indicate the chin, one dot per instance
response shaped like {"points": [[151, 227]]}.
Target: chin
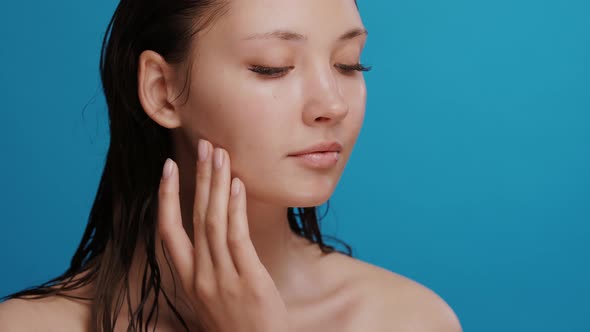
{"points": [[294, 190], [304, 197], [309, 200]]}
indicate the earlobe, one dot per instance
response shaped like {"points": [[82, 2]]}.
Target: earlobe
{"points": [[154, 85]]}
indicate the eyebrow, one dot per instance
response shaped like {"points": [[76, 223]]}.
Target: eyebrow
{"points": [[294, 36]]}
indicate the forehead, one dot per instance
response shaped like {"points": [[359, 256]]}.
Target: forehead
{"points": [[317, 20]]}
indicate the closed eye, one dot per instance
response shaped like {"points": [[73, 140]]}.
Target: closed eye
{"points": [[355, 67], [270, 71], [279, 71]]}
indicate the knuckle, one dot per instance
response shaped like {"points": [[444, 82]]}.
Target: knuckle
{"points": [[202, 174], [164, 226], [231, 290], [163, 229], [163, 194], [258, 294], [260, 285], [199, 214], [204, 289], [236, 240], [215, 181], [197, 218], [212, 227]]}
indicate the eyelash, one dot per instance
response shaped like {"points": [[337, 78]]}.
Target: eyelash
{"points": [[273, 71]]}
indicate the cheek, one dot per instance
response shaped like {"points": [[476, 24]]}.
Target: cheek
{"points": [[355, 93], [257, 133], [257, 123], [245, 119]]}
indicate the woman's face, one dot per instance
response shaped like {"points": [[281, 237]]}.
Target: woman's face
{"points": [[260, 119]]}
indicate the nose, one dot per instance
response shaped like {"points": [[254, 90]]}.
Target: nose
{"points": [[326, 105]]}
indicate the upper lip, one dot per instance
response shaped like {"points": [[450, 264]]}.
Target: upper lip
{"points": [[321, 147]]}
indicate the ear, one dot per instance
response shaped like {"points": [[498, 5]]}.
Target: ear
{"points": [[155, 89]]}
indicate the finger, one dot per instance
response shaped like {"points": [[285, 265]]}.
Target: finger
{"points": [[203, 261], [241, 248], [217, 217], [170, 227]]}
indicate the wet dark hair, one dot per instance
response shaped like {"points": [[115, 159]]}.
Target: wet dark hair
{"points": [[125, 207]]}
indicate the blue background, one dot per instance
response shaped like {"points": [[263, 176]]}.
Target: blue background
{"points": [[471, 174]]}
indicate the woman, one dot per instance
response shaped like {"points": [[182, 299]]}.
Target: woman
{"points": [[224, 114]]}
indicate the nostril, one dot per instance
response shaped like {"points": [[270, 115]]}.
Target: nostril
{"points": [[322, 118]]}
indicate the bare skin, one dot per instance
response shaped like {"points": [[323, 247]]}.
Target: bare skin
{"points": [[354, 296], [258, 121]]}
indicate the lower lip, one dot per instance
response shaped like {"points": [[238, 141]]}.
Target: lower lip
{"points": [[319, 159]]}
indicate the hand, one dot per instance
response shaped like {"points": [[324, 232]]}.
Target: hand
{"points": [[229, 288]]}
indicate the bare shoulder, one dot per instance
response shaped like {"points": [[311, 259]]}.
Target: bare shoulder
{"points": [[393, 302], [15, 315], [52, 313]]}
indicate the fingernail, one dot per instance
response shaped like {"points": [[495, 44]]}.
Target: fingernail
{"points": [[167, 168], [218, 158], [203, 150], [235, 187]]}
